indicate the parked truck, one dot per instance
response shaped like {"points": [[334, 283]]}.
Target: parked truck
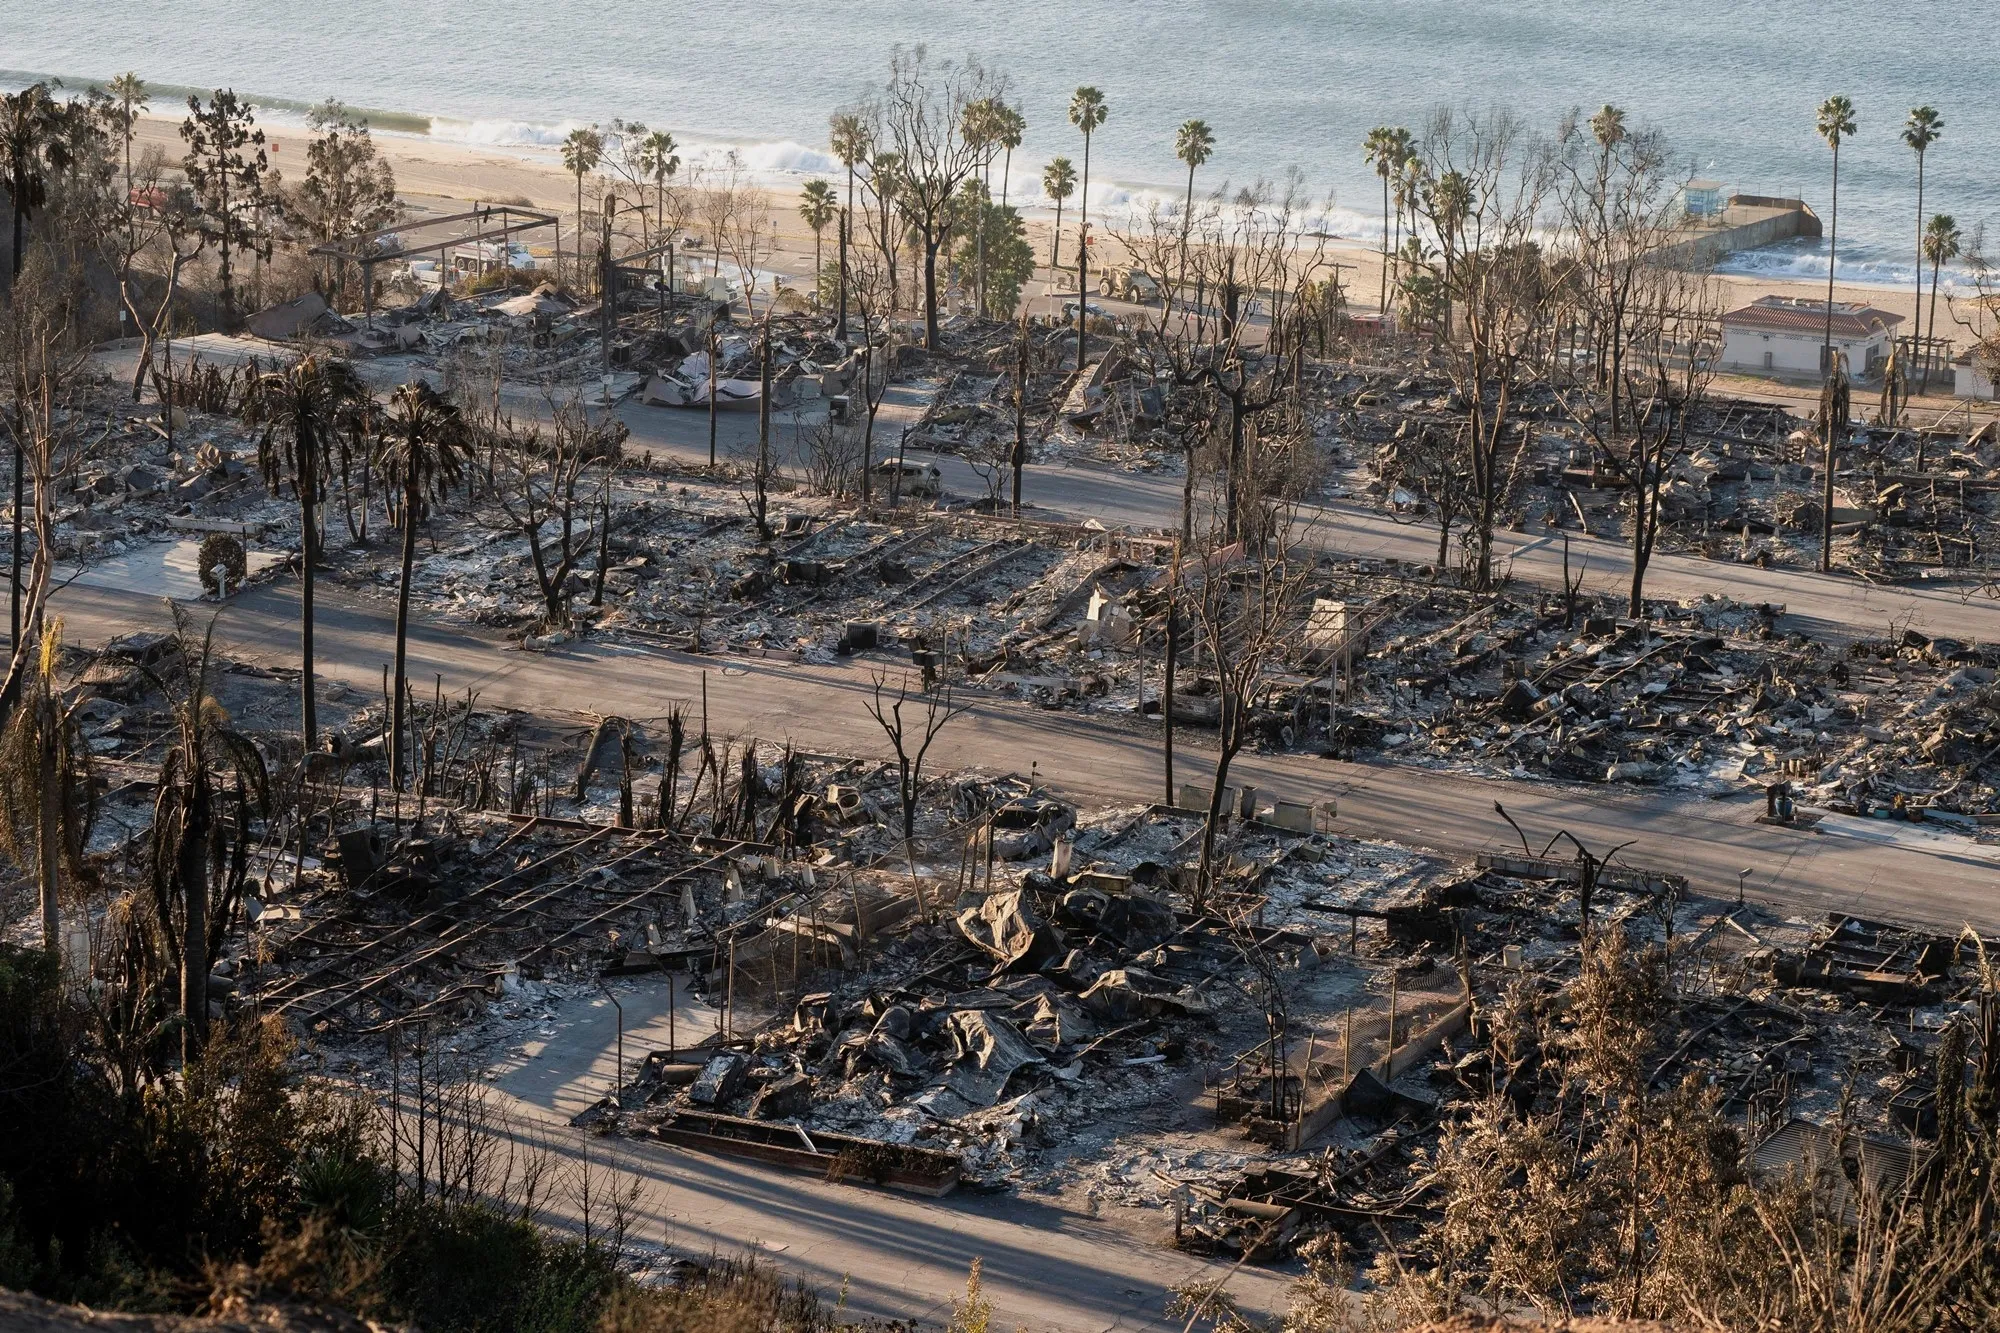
{"points": [[1129, 283]]}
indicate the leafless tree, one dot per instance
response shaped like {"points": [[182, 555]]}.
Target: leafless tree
{"points": [[910, 737], [1250, 251], [923, 113], [871, 300], [1244, 608], [1666, 362], [751, 238], [1429, 464], [1618, 197], [540, 490], [1481, 193], [167, 230], [43, 353]]}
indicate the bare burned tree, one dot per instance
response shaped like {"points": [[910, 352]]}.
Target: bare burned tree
{"points": [[750, 235], [910, 737], [871, 299], [1429, 465], [1666, 363], [923, 121], [1619, 201], [1481, 195], [1244, 610], [1250, 250], [44, 358], [540, 490], [167, 234]]}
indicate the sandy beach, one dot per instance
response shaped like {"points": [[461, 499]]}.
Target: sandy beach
{"points": [[440, 176]]}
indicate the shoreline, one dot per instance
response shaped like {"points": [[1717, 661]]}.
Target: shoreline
{"points": [[457, 174]]}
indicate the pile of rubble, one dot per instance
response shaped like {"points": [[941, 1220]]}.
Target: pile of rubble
{"points": [[1026, 1027]]}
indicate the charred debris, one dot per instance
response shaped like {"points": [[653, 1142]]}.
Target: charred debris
{"points": [[1383, 659]]}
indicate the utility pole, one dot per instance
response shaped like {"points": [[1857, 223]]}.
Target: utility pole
{"points": [[1173, 649], [607, 310], [764, 429], [840, 334], [714, 351], [1020, 413]]}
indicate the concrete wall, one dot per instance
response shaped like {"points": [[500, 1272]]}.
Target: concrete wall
{"points": [[1743, 227], [1973, 380]]}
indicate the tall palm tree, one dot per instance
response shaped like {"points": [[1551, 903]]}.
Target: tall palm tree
{"points": [[1834, 123], [849, 138], [1086, 111], [1384, 149], [581, 152], [303, 410], [1012, 126], [982, 125], [32, 141], [1403, 194], [659, 158], [129, 90], [817, 205], [1608, 126], [1194, 144], [1920, 131], [424, 453], [1941, 246], [1058, 183]]}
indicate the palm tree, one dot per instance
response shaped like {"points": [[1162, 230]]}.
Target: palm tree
{"points": [[47, 801], [1941, 246], [303, 409], [211, 782], [1449, 202], [1385, 149], [817, 205], [1058, 183], [659, 158], [1608, 126], [1194, 144], [581, 152], [130, 91], [1835, 122], [1012, 126], [1086, 111], [981, 126], [424, 452], [31, 138], [1403, 193], [848, 136], [1920, 131]]}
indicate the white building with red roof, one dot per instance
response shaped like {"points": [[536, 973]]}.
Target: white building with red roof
{"points": [[1785, 335]]}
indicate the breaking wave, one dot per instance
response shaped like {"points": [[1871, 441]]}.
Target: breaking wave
{"points": [[1806, 261], [503, 133]]}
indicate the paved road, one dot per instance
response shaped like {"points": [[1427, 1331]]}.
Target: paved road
{"points": [[1861, 866], [1048, 1268], [1836, 606]]}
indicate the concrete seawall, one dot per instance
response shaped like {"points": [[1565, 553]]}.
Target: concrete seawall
{"points": [[1749, 222]]}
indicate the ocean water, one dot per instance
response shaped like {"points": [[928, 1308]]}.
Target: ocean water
{"points": [[1283, 84]]}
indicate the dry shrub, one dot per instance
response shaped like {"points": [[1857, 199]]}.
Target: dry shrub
{"points": [[724, 1296]]}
